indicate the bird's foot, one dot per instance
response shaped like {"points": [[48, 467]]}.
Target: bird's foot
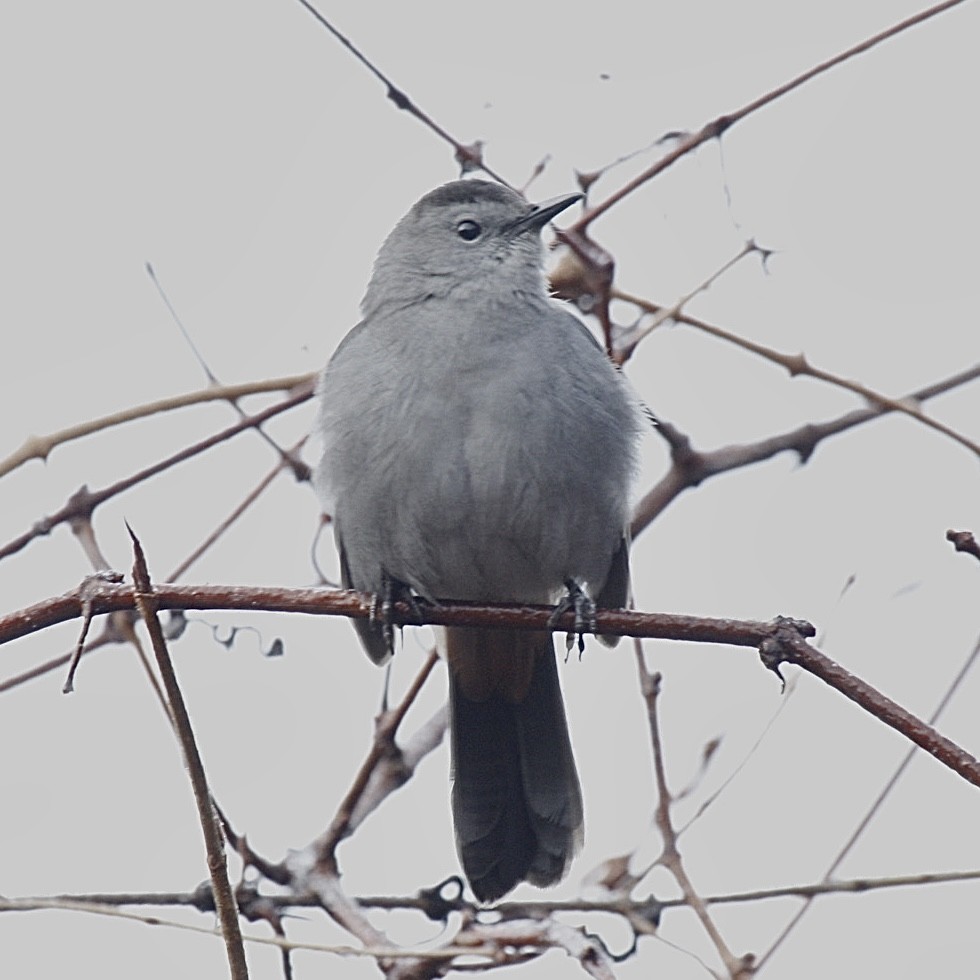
{"points": [[577, 599], [382, 609]]}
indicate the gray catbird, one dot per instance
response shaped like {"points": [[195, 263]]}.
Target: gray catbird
{"points": [[479, 444]]}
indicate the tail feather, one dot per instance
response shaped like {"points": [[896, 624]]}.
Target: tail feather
{"points": [[517, 805]]}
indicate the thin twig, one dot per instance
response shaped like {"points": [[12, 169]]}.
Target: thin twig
{"points": [[873, 809], [383, 744], [377, 952], [716, 127], [790, 647], [85, 501], [664, 313], [670, 857], [286, 457], [470, 157], [618, 904], [795, 364], [692, 467], [236, 512]]}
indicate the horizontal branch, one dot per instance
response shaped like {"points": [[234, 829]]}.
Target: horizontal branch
{"points": [[201, 898], [782, 640], [105, 597]]}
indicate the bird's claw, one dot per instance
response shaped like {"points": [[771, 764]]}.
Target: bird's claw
{"points": [[577, 599], [382, 608]]}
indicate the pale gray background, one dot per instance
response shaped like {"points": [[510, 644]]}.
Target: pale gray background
{"points": [[245, 154]]}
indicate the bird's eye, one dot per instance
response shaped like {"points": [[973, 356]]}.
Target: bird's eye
{"points": [[468, 230]]}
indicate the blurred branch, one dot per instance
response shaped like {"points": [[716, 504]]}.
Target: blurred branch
{"points": [[617, 904], [39, 447], [383, 748], [68, 904], [249, 499]]}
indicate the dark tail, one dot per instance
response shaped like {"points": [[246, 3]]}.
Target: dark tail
{"points": [[517, 805]]}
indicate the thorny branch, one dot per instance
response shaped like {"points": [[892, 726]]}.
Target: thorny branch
{"points": [[782, 640], [85, 501], [40, 447], [691, 467], [717, 127], [224, 896]]}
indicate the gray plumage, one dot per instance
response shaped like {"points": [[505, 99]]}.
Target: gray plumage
{"points": [[478, 444]]}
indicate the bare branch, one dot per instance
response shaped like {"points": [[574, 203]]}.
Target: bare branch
{"points": [[716, 127], [224, 896], [382, 747], [795, 364], [670, 857], [779, 641], [85, 501], [39, 447], [873, 809], [469, 157], [692, 467]]}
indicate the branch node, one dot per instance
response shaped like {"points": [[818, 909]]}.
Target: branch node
{"points": [[399, 98], [776, 649], [964, 541], [796, 364]]}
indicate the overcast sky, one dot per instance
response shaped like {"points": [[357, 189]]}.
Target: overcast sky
{"points": [[258, 166]]}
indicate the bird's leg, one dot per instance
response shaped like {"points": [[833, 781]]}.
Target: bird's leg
{"points": [[576, 598], [394, 590]]}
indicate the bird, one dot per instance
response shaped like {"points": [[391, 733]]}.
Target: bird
{"points": [[478, 444]]}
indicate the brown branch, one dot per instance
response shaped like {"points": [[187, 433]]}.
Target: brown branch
{"points": [[670, 857], [791, 647], [692, 467], [795, 364], [382, 747], [110, 597], [872, 809], [224, 896], [39, 447], [392, 775], [85, 501], [779, 640], [716, 127], [469, 157]]}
